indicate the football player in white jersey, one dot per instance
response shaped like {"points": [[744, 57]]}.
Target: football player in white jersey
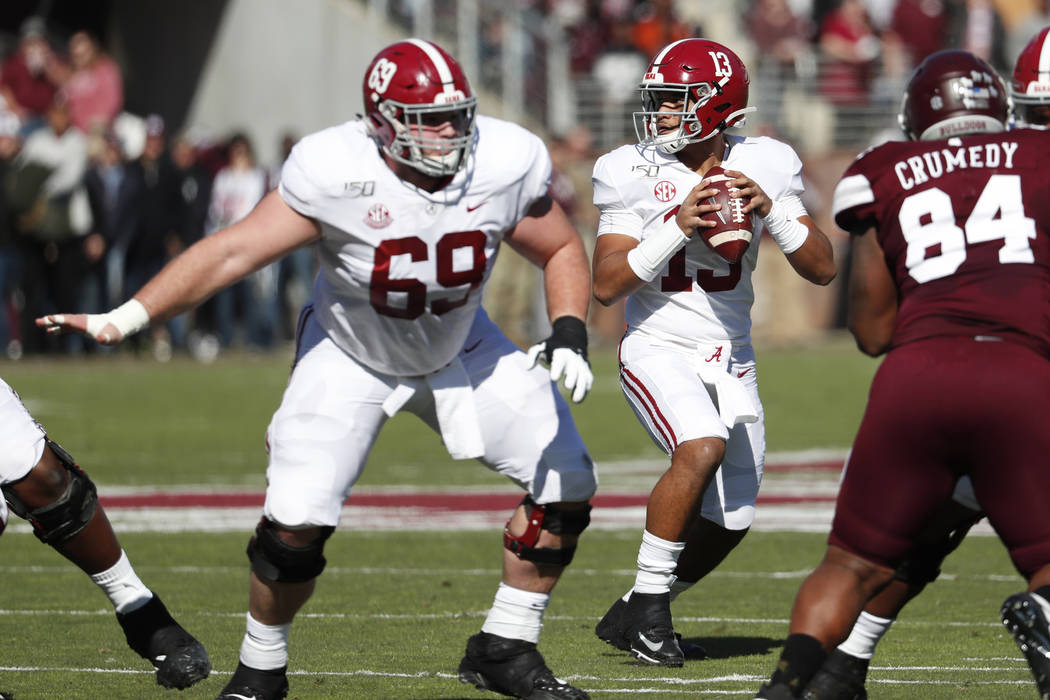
{"points": [[686, 363], [43, 484], [407, 206]]}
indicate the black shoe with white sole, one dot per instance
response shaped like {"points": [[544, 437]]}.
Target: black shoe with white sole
{"points": [[249, 683], [612, 629]]}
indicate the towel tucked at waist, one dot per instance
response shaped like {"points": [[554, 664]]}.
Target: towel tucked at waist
{"points": [[454, 404], [734, 401]]}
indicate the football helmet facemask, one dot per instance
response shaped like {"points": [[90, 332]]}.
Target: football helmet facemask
{"points": [[413, 84], [953, 93], [707, 80], [1030, 88]]}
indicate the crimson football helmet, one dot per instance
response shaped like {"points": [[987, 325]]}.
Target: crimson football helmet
{"points": [[1031, 84], [953, 93], [412, 84], [709, 81]]}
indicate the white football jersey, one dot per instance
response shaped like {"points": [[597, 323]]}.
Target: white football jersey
{"points": [[698, 296], [402, 269]]}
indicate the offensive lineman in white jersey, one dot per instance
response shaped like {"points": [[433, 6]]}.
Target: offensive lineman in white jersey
{"points": [[686, 363], [407, 206]]}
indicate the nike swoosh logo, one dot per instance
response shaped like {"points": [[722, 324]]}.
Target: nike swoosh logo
{"points": [[472, 208], [472, 347], [646, 642], [741, 374]]}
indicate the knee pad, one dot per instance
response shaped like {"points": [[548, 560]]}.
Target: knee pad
{"points": [[274, 559], [70, 513], [923, 564], [553, 519]]}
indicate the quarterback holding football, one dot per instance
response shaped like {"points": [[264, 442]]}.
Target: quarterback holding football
{"points": [[673, 243]]}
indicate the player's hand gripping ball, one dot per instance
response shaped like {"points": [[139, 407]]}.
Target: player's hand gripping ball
{"points": [[733, 229]]}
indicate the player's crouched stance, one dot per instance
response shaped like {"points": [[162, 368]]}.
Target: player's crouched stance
{"points": [[43, 484], [407, 207]]}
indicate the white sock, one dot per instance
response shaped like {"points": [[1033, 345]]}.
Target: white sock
{"points": [[516, 614], [657, 559], [867, 632], [122, 586], [265, 646], [679, 586]]}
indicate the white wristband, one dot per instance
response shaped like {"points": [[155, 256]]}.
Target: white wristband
{"points": [[649, 257], [788, 232], [128, 318]]}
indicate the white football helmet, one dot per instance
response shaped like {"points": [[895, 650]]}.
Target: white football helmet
{"points": [[1030, 88]]}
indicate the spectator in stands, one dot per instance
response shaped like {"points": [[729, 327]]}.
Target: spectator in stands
{"points": [[53, 215], [194, 186], [781, 35], [114, 191], [10, 260], [238, 187], [977, 27], [193, 182], [148, 248], [849, 50], [26, 85], [784, 40], [657, 26], [617, 70], [587, 37], [93, 83], [917, 29]]}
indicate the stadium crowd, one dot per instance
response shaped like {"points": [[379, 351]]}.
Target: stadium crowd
{"points": [[95, 200]]}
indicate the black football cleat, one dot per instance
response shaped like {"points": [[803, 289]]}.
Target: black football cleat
{"points": [[774, 692], [645, 621], [840, 678], [249, 683], [153, 634], [512, 667], [1024, 615], [612, 629]]}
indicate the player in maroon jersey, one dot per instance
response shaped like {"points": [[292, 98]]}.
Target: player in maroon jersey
{"points": [[951, 279], [843, 675]]}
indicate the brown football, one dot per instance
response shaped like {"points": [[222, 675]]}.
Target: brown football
{"points": [[733, 229]]}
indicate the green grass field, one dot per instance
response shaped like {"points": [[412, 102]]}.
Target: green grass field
{"points": [[393, 610]]}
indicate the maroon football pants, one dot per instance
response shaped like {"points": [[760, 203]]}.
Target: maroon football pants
{"points": [[938, 409]]}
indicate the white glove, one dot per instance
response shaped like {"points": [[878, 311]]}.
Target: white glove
{"points": [[566, 353]]}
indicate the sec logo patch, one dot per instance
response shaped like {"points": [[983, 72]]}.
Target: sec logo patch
{"points": [[378, 216], [664, 191]]}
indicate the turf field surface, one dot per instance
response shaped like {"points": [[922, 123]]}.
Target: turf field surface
{"points": [[405, 588]]}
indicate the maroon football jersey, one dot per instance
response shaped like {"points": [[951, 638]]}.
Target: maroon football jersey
{"points": [[965, 227]]}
